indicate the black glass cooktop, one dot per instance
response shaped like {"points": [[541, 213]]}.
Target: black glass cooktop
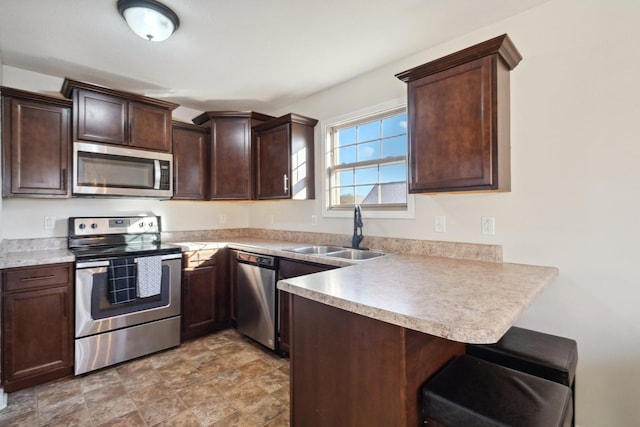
{"points": [[130, 250]]}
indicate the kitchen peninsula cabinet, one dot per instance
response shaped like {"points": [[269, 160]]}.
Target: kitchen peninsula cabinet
{"points": [[289, 268], [190, 161], [37, 324], [205, 292], [110, 116], [458, 109], [36, 140], [231, 152], [285, 158]]}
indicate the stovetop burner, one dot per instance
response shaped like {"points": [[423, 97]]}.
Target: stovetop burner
{"points": [[113, 237]]}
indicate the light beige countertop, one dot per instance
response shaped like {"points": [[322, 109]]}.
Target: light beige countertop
{"points": [[461, 300], [39, 257]]}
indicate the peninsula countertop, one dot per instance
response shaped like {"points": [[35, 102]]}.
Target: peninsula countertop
{"points": [[460, 300]]}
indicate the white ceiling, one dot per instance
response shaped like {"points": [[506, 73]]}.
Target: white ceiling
{"points": [[235, 54]]}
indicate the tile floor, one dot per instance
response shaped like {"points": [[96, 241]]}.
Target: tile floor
{"points": [[222, 379]]}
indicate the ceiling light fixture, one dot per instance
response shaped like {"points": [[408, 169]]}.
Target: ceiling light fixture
{"points": [[149, 19]]}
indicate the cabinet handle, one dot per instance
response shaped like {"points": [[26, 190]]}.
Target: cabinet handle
{"points": [[64, 305], [33, 279], [286, 183]]}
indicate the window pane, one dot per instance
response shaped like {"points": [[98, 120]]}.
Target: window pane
{"points": [[346, 136], [346, 154], [396, 146], [346, 196], [359, 173], [344, 178], [368, 193], [367, 175], [393, 173], [369, 151], [393, 193], [395, 125], [369, 131]]}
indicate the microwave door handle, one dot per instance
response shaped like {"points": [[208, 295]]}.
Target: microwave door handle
{"points": [[156, 174]]}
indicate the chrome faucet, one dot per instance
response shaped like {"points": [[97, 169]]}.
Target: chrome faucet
{"points": [[357, 228]]}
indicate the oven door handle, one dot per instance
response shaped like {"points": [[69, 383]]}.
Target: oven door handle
{"points": [[105, 263]]}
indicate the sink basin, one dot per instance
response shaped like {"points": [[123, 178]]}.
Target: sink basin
{"points": [[316, 250], [355, 254]]}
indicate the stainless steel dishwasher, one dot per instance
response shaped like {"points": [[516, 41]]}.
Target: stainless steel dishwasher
{"points": [[257, 297]]}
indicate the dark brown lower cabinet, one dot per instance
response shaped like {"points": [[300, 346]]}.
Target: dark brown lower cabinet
{"points": [[37, 325], [287, 269], [352, 370], [205, 293]]}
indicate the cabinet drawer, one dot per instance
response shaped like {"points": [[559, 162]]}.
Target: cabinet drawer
{"points": [[199, 258], [24, 278]]}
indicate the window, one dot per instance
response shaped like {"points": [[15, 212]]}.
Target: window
{"points": [[367, 162]]}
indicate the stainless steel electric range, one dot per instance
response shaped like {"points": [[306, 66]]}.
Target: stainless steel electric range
{"points": [[127, 299]]}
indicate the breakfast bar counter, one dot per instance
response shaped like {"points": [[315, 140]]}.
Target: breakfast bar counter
{"points": [[366, 337], [461, 300]]}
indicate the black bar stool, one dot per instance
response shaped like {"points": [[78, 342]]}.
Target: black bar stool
{"points": [[546, 356], [474, 392]]}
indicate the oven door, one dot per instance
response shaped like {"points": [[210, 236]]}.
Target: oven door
{"points": [[96, 314]]}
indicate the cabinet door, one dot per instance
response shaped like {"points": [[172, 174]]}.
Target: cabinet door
{"points": [[453, 129], [37, 336], [198, 301], [274, 163], [230, 159], [288, 269], [149, 127], [190, 157], [100, 117], [36, 148]]}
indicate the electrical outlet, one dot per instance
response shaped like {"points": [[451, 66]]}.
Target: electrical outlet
{"points": [[440, 223], [488, 225], [49, 222], [314, 220], [271, 219], [223, 218]]}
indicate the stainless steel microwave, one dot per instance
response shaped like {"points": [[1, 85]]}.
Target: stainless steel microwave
{"points": [[109, 170]]}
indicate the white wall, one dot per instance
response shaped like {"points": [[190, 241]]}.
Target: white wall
{"points": [[575, 183], [575, 199]]}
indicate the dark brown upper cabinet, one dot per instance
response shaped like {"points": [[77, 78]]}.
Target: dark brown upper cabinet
{"points": [[285, 158], [458, 112], [190, 161], [110, 116], [231, 152], [36, 140]]}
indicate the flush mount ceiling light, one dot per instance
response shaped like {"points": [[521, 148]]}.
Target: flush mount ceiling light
{"points": [[149, 19]]}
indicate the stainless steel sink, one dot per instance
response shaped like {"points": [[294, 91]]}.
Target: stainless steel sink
{"points": [[337, 252], [316, 250], [356, 254]]}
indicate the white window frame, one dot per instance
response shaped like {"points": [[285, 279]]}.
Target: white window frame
{"points": [[326, 126]]}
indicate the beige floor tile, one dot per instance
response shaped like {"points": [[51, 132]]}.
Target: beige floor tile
{"points": [[131, 419], [110, 409], [60, 409], [265, 410], [183, 419], [79, 418], [160, 410]]}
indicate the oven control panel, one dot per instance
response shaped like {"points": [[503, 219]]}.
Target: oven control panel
{"points": [[114, 225]]}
